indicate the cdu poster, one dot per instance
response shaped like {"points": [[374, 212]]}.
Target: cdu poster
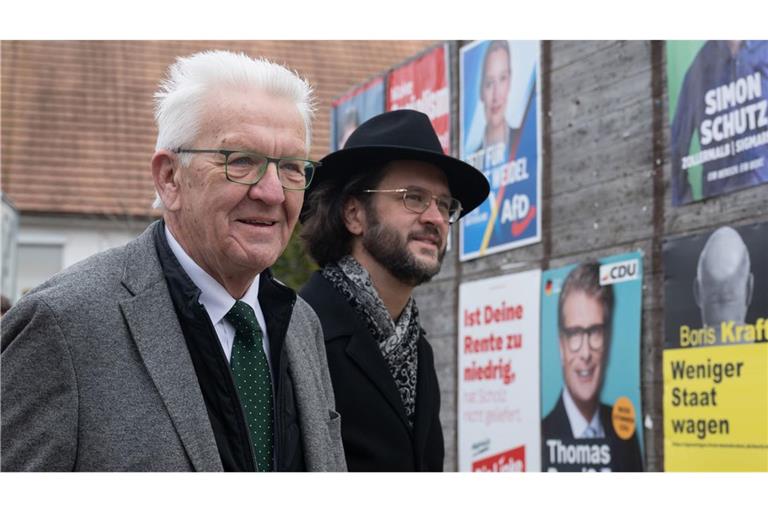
{"points": [[422, 84], [354, 108], [498, 357], [590, 366], [500, 135], [718, 107], [716, 350]]}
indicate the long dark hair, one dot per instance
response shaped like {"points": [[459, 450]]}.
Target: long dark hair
{"points": [[323, 231]]}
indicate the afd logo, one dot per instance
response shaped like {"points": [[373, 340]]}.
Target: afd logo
{"points": [[619, 272]]}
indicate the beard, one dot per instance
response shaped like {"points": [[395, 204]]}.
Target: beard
{"points": [[390, 249]]}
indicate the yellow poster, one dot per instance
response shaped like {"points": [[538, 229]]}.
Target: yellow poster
{"points": [[716, 351], [716, 408]]}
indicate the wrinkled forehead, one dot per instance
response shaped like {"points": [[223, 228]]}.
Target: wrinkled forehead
{"points": [[414, 173], [235, 115]]}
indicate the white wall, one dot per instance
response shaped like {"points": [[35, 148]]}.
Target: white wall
{"points": [[49, 244]]}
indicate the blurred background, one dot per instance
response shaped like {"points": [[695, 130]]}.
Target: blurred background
{"points": [[78, 134]]}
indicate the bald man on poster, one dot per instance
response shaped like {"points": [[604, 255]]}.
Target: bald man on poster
{"points": [[724, 283]]}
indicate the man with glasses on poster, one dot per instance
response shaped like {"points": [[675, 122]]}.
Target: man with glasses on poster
{"points": [[578, 434]]}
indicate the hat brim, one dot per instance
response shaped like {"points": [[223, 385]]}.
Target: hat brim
{"points": [[466, 183]]}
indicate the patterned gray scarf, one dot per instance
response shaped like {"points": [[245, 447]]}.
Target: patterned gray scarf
{"points": [[397, 341]]}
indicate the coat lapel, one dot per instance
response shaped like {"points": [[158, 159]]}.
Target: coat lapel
{"points": [[339, 319], [364, 351], [425, 406], [152, 321]]}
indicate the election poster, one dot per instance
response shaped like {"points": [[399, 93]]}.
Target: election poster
{"points": [[718, 108], [716, 350], [590, 366], [355, 107], [500, 134], [498, 358], [422, 84]]}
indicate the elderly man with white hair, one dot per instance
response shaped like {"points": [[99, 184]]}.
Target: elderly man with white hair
{"points": [[179, 351]]}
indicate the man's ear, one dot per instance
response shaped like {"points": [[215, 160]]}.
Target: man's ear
{"points": [[354, 216], [165, 175]]}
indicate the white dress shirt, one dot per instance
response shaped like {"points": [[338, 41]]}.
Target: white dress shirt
{"points": [[217, 301], [579, 425]]}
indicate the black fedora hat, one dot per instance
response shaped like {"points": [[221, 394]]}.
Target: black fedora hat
{"points": [[402, 135]]}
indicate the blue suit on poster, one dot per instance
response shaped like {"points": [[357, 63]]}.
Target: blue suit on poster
{"points": [[721, 120]]}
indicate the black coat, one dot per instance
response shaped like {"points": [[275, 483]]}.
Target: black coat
{"points": [[374, 427]]}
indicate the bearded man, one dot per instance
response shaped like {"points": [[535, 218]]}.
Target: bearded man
{"points": [[377, 222]]}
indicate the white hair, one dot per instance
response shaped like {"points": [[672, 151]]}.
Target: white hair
{"points": [[180, 100]]}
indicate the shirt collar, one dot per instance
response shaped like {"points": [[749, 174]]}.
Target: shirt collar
{"points": [[577, 421], [213, 296]]}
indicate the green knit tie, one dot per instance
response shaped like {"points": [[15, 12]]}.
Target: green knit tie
{"points": [[253, 381]]}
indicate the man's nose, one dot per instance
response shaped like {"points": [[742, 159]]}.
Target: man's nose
{"points": [[432, 214], [585, 352], [268, 189]]}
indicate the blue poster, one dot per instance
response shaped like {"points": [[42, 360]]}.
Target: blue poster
{"points": [[718, 108], [354, 108], [590, 366], [500, 135]]}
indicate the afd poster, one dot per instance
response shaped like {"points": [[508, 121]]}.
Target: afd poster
{"points": [[716, 350], [422, 84], [354, 108], [498, 410], [590, 366], [718, 107], [500, 134]]}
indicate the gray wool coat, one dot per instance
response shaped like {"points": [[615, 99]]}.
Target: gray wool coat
{"points": [[96, 376]]}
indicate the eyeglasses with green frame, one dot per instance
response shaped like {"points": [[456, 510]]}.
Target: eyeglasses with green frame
{"points": [[417, 200], [247, 168]]}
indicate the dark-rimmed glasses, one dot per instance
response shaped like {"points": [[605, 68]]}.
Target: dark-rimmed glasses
{"points": [[575, 336], [417, 200], [247, 168]]}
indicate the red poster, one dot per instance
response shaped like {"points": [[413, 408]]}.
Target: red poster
{"points": [[509, 461], [422, 84]]}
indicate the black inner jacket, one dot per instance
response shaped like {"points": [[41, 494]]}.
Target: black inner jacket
{"points": [[225, 412]]}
